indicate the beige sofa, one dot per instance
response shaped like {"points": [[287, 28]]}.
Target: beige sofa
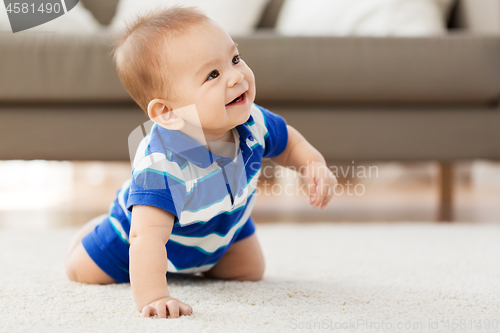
{"points": [[376, 99]]}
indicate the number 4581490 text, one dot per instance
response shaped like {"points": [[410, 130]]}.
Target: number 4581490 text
{"points": [[20, 7]]}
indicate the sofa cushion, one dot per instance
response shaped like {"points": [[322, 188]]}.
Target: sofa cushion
{"points": [[273, 9], [479, 16], [55, 67], [361, 18], [459, 68], [236, 17]]}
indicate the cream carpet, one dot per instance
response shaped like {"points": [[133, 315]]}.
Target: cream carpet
{"points": [[396, 277]]}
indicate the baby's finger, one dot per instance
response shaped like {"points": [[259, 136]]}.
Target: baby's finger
{"points": [[322, 192], [185, 310], [327, 197], [330, 184], [322, 189], [311, 188], [161, 309], [173, 309], [147, 310]]}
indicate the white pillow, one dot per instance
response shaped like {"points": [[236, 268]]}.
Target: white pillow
{"points": [[363, 17], [77, 20], [236, 16]]}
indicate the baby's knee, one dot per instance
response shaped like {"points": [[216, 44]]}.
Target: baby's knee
{"points": [[255, 272], [257, 276], [81, 268], [71, 270], [259, 272]]}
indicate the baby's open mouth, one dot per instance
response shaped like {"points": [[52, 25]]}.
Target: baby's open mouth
{"points": [[237, 99]]}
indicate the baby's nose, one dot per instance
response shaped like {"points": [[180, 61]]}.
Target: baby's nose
{"points": [[236, 78]]}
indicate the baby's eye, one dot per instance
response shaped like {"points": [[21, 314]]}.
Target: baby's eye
{"points": [[236, 59], [213, 75]]}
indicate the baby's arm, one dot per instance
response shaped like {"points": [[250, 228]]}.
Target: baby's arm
{"points": [[149, 232], [303, 157]]}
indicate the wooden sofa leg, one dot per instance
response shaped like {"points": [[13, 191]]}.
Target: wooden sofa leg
{"points": [[446, 189]]}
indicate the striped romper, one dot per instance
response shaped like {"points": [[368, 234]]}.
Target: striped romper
{"points": [[210, 196]]}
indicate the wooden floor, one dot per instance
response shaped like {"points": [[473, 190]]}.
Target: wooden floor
{"points": [[48, 194]]}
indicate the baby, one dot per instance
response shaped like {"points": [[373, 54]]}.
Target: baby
{"points": [[186, 209]]}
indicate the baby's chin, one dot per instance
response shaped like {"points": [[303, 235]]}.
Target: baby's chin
{"points": [[247, 112]]}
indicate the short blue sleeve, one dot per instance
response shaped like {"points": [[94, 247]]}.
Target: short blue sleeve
{"points": [[276, 138], [157, 189]]}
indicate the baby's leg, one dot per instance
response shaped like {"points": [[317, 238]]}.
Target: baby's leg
{"points": [[79, 266], [243, 261]]}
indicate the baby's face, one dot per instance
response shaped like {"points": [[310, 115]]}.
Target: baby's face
{"points": [[206, 70]]}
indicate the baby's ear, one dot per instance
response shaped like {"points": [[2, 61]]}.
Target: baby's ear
{"points": [[160, 113]]}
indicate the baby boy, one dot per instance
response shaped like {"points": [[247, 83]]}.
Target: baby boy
{"points": [[186, 209]]}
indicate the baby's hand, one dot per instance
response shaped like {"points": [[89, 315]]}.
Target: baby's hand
{"points": [[320, 183], [167, 306]]}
